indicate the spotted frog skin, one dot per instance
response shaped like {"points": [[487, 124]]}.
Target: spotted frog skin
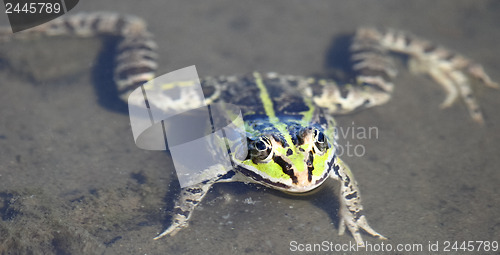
{"points": [[288, 119]]}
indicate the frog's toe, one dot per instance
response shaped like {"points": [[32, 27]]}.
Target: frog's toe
{"points": [[354, 227], [172, 229]]}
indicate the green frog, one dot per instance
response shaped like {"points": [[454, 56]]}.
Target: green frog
{"points": [[289, 124]]}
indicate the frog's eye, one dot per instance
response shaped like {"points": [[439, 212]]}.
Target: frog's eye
{"points": [[320, 142], [260, 150], [260, 145]]}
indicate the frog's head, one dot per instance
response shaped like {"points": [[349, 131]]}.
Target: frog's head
{"points": [[293, 157]]}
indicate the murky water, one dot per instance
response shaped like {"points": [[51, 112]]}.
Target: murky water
{"points": [[73, 182]]}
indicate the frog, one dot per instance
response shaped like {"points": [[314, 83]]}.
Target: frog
{"points": [[289, 119]]}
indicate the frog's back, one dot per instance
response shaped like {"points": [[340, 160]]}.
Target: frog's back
{"points": [[263, 96]]}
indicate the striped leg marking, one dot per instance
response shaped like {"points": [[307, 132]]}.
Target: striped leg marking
{"points": [[189, 198], [448, 69], [351, 210], [373, 72], [136, 57]]}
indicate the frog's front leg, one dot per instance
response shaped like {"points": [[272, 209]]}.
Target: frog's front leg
{"points": [[351, 210], [189, 198]]}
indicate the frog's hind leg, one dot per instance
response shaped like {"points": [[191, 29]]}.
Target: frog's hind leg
{"points": [[448, 69], [373, 71], [135, 58]]}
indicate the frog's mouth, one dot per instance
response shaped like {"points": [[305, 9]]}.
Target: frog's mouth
{"points": [[305, 193], [284, 185]]}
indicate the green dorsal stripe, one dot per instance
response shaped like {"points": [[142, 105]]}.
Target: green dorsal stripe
{"points": [[264, 97], [296, 160]]}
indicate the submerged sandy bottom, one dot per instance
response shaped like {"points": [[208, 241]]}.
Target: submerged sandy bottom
{"points": [[72, 181]]}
